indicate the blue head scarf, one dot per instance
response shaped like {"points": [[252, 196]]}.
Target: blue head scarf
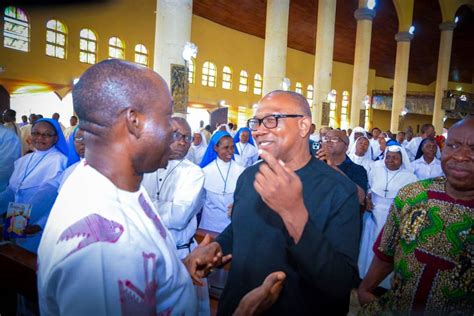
{"points": [[210, 155], [392, 142], [61, 144], [237, 136], [72, 155]]}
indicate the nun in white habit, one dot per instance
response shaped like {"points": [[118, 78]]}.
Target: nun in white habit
{"points": [[33, 170], [220, 178], [247, 152], [386, 178], [354, 136], [198, 148], [360, 153]]}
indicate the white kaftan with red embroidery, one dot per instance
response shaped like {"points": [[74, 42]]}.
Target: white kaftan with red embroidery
{"points": [[105, 251]]}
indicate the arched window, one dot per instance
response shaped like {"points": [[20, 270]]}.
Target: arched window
{"points": [[116, 48], [244, 81], [191, 71], [332, 98], [299, 88], [209, 74], [56, 37], [141, 55], [226, 78], [345, 110], [16, 29], [88, 46], [310, 94], [257, 84]]}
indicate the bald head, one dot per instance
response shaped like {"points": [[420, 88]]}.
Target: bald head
{"points": [[108, 88], [299, 100]]}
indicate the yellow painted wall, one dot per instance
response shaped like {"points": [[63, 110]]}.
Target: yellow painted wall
{"points": [[132, 21], [216, 43]]}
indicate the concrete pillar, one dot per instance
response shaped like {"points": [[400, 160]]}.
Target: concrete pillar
{"points": [[401, 78], [323, 58], [172, 31], [442, 76], [276, 36], [360, 77]]}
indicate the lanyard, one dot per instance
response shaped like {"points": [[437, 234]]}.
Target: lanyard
{"points": [[222, 176], [27, 173]]}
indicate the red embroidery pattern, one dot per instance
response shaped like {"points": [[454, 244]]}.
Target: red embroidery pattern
{"points": [[152, 215], [134, 301], [94, 228]]}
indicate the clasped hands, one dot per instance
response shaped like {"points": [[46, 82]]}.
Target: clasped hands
{"points": [[204, 258]]}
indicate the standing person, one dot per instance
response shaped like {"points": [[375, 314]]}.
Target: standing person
{"points": [[426, 165], [55, 117], [73, 124], [360, 153], [115, 237], [427, 131], [386, 178], [25, 132], [176, 190], [291, 212], [11, 151], [427, 240], [247, 153], [9, 117], [116, 205], [24, 121], [334, 151], [32, 171], [401, 139], [220, 178], [176, 193], [375, 144], [198, 148], [207, 133]]}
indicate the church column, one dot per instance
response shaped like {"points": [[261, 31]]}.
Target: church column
{"points": [[401, 78], [360, 77], [442, 76], [323, 56], [172, 31], [276, 36]]}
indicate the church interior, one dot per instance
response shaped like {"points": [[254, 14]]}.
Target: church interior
{"points": [[391, 64]]}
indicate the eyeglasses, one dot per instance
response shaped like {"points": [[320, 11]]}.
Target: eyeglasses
{"points": [[333, 140], [177, 136], [79, 140], [42, 135], [269, 121]]}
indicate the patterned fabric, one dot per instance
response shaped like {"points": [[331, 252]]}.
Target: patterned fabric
{"points": [[430, 238]]}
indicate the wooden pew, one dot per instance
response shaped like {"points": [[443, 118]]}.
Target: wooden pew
{"points": [[17, 276]]}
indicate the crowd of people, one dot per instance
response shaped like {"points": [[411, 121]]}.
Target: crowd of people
{"points": [[305, 216]]}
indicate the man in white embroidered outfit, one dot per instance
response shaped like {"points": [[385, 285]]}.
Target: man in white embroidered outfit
{"points": [[109, 253], [176, 193]]}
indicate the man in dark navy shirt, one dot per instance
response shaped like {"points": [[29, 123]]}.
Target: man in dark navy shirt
{"points": [[333, 151], [291, 213]]}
